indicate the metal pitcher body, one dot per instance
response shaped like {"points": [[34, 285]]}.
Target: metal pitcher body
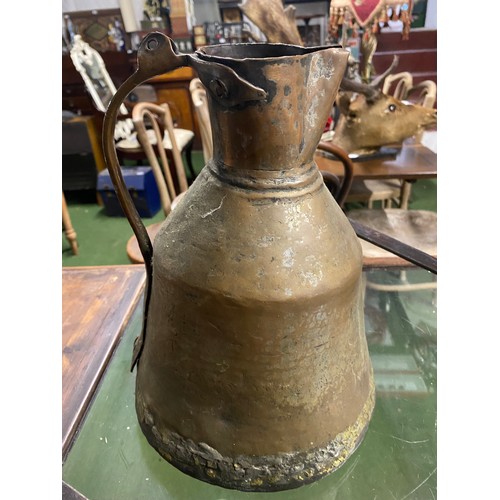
{"points": [[252, 370]]}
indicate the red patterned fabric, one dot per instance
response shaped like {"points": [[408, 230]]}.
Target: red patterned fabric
{"points": [[364, 10]]}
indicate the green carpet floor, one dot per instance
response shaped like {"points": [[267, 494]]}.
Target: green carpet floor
{"points": [[102, 239]]}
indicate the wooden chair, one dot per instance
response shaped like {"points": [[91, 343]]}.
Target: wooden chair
{"points": [[398, 85], [152, 124], [369, 191], [100, 86], [130, 148], [423, 93], [199, 98], [92, 68], [69, 232], [417, 228], [194, 84]]}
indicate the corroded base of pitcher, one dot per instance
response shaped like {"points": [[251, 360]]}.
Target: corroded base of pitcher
{"points": [[269, 473]]}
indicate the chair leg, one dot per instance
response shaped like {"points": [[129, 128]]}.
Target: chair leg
{"points": [[69, 232], [405, 194], [189, 160]]}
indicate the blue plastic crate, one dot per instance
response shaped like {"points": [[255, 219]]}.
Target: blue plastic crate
{"points": [[141, 185]]}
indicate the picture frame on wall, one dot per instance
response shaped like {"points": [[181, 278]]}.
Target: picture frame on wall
{"points": [[103, 29]]}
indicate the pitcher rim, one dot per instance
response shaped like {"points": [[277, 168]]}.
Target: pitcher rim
{"points": [[300, 51]]}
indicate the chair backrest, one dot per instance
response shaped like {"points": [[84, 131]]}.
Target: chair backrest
{"points": [[398, 85], [199, 98], [194, 84], [151, 121], [423, 93]]}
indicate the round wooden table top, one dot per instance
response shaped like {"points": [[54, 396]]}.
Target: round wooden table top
{"points": [[133, 251]]}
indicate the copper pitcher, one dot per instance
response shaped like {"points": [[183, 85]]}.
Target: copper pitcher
{"points": [[252, 366]]}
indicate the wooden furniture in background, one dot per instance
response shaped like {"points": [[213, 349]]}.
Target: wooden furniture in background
{"points": [[414, 161], [150, 120], [398, 84], [82, 156], [417, 228], [130, 147], [82, 151], [424, 94], [75, 96], [199, 98], [96, 305], [171, 88], [82, 135], [69, 232], [370, 191], [89, 63]]}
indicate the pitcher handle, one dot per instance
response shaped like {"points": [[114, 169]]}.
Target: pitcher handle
{"points": [[156, 55]]}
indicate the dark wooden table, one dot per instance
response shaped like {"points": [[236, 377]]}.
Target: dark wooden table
{"points": [[96, 305], [413, 162]]}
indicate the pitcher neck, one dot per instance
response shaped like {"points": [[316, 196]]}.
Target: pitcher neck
{"points": [[276, 136], [292, 180]]}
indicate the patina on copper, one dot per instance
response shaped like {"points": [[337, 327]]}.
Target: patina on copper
{"points": [[252, 368]]}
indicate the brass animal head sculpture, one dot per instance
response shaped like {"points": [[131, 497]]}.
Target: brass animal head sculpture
{"points": [[370, 119]]}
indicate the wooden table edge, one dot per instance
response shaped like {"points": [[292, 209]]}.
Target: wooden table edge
{"points": [[69, 437]]}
